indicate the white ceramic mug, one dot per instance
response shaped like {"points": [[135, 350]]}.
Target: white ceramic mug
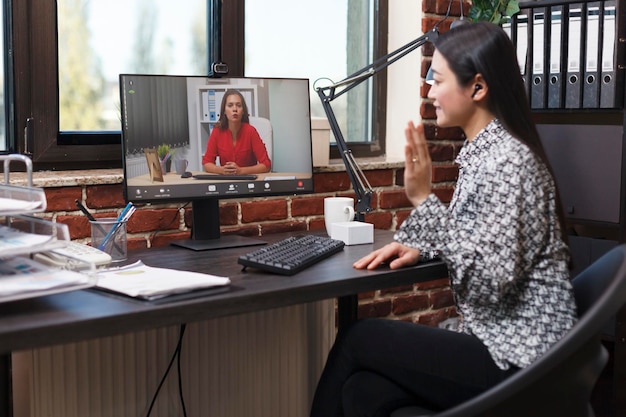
{"points": [[338, 209], [181, 166]]}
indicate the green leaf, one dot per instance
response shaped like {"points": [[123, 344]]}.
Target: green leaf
{"points": [[495, 11]]}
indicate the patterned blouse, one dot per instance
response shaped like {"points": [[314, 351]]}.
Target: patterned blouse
{"points": [[501, 240]]}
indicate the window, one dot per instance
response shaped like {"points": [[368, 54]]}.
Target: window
{"points": [[39, 71], [324, 43], [150, 37]]}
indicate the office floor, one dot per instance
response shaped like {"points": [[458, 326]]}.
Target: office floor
{"points": [[602, 397]]}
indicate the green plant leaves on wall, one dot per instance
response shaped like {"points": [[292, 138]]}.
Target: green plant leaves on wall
{"points": [[494, 11]]}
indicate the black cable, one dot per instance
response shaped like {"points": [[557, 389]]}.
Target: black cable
{"points": [[180, 381], [167, 371], [167, 225]]}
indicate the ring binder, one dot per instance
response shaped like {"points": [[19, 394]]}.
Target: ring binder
{"points": [[608, 82], [591, 74], [537, 88], [555, 79], [573, 83]]}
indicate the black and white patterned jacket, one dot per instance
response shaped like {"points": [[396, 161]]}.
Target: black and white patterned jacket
{"points": [[501, 239]]}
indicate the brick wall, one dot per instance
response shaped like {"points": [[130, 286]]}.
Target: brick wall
{"points": [[157, 225]]}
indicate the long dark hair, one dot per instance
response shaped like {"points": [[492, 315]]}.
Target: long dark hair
{"points": [[484, 48], [245, 117]]}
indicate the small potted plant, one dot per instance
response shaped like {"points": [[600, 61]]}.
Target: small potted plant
{"points": [[494, 11], [165, 152]]}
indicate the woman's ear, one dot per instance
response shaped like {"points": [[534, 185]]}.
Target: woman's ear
{"points": [[479, 88]]}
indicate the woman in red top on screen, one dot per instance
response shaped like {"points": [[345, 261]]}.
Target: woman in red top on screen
{"points": [[235, 141]]}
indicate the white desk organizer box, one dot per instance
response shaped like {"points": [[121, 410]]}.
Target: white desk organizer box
{"points": [[353, 233]]}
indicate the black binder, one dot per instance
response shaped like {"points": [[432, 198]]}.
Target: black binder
{"points": [[591, 92], [573, 85], [538, 73], [555, 79], [609, 56]]}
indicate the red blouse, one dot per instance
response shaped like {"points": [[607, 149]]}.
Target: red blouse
{"points": [[247, 151]]}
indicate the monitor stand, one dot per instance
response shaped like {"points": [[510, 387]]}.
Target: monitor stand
{"points": [[205, 233]]}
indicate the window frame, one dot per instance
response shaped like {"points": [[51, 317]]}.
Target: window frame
{"points": [[35, 73]]}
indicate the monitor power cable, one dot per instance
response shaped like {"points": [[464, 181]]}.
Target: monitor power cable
{"points": [[175, 356]]}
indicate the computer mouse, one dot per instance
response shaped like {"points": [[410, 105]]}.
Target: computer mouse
{"points": [[186, 174]]}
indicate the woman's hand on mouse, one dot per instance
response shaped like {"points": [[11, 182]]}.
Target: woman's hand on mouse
{"points": [[394, 254]]}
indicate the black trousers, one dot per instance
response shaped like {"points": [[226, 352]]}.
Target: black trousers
{"points": [[379, 365]]}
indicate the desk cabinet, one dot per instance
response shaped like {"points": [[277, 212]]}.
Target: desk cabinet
{"points": [[257, 364]]}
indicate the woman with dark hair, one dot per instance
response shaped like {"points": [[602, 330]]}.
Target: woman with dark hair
{"points": [[235, 141], [501, 237]]}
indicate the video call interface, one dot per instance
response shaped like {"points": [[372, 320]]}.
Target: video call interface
{"points": [[178, 113]]}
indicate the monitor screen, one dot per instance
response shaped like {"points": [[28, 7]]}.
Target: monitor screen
{"points": [[166, 125]]}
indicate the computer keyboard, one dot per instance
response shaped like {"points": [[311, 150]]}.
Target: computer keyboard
{"points": [[291, 255], [217, 177]]}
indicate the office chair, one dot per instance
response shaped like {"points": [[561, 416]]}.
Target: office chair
{"points": [[560, 382], [264, 127]]}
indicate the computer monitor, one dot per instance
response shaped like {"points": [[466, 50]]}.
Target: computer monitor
{"points": [[182, 111]]}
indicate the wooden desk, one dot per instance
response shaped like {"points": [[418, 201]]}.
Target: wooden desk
{"points": [[86, 314]]}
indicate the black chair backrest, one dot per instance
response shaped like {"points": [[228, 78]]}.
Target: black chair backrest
{"points": [[604, 279], [570, 368]]}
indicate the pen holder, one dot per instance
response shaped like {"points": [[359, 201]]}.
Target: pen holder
{"points": [[109, 235]]}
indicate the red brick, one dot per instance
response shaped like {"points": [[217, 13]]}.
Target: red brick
{"points": [[430, 130], [327, 182], [427, 110], [63, 198], [394, 199], [380, 220], [433, 318], [375, 309], [307, 206], [263, 210], [135, 243], [431, 284], [450, 133], [270, 228], [425, 87], [441, 153], [367, 295], [105, 196], [317, 224], [79, 226], [401, 216], [441, 299], [444, 194], [429, 6], [146, 220], [229, 214], [379, 177], [445, 173], [408, 303]]}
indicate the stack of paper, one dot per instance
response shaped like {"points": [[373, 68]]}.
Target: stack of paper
{"points": [[16, 242], [24, 278], [141, 281]]}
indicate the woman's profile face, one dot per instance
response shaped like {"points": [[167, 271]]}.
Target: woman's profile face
{"points": [[453, 102], [234, 108]]}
